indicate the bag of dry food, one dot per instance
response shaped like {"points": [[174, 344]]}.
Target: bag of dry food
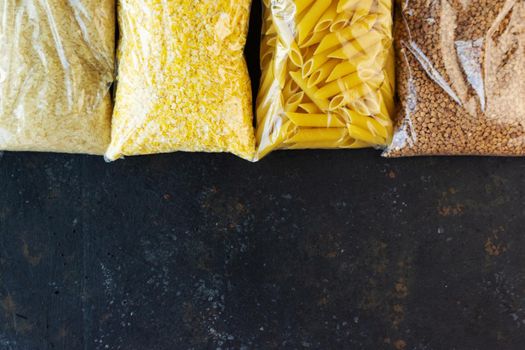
{"points": [[56, 68], [461, 78], [183, 84], [327, 75]]}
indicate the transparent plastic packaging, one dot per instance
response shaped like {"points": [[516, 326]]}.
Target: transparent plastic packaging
{"points": [[56, 69], [327, 75], [183, 83], [461, 78]]}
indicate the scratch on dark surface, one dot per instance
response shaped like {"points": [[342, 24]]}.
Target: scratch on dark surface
{"points": [[448, 204], [8, 344], [400, 344], [17, 322], [401, 288], [32, 259], [494, 244], [230, 211], [503, 290], [108, 280], [9, 307]]}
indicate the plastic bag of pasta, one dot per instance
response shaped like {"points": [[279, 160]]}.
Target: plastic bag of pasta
{"points": [[56, 68], [183, 83], [461, 78], [327, 75]]}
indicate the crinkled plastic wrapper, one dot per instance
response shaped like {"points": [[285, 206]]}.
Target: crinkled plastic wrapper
{"points": [[461, 78], [183, 84], [56, 69], [327, 75]]}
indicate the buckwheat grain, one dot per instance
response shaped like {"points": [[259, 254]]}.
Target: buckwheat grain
{"points": [[461, 78]]}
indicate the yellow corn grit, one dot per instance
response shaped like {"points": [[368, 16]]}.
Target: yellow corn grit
{"points": [[183, 83]]}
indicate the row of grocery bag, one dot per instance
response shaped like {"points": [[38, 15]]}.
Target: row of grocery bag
{"points": [[411, 78]]}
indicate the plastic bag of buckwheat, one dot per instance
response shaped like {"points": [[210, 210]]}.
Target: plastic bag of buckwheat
{"points": [[461, 78]]}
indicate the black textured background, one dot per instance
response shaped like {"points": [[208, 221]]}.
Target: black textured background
{"points": [[304, 250]]}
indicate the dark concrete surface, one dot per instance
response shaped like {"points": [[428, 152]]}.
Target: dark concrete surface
{"points": [[304, 250]]}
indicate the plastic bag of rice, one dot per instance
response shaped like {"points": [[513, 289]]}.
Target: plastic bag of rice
{"points": [[56, 68]]}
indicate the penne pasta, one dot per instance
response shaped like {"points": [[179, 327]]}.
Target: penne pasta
{"points": [[314, 38], [385, 121], [270, 118], [310, 108], [347, 83], [358, 144], [293, 102], [308, 53], [371, 105], [347, 142], [383, 28], [271, 30], [321, 144], [387, 96], [311, 92], [265, 44], [357, 93], [315, 120], [308, 22], [384, 7], [330, 75], [318, 134], [314, 64], [337, 102], [365, 122], [295, 55], [290, 88], [361, 10], [360, 106], [267, 107], [272, 42], [301, 5], [346, 5], [327, 18], [312, 145], [362, 61], [365, 135], [346, 35], [349, 97], [267, 79], [274, 138], [350, 50], [339, 22], [266, 56], [266, 60], [322, 73]]}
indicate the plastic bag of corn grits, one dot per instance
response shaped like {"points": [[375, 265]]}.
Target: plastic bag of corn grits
{"points": [[183, 83], [327, 75], [56, 68]]}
